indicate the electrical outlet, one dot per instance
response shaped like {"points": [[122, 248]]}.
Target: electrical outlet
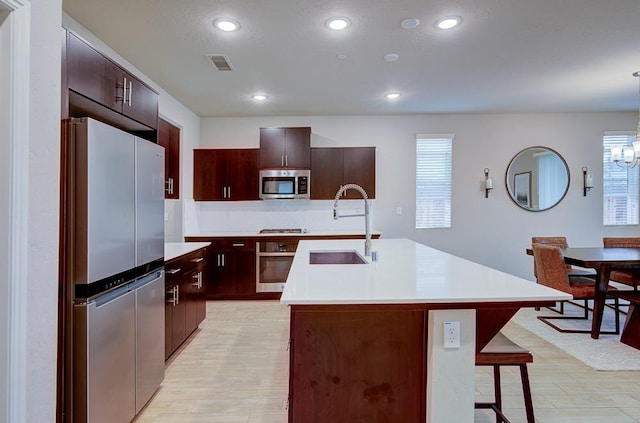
{"points": [[399, 211], [451, 335]]}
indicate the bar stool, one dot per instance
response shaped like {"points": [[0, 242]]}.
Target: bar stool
{"points": [[501, 351]]}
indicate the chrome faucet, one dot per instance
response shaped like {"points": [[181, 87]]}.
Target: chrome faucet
{"points": [[367, 215]]}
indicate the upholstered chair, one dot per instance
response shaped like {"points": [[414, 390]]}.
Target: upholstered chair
{"points": [[552, 272], [580, 273], [629, 277]]}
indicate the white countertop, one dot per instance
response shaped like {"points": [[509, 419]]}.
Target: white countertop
{"points": [[177, 249], [406, 272], [245, 234]]}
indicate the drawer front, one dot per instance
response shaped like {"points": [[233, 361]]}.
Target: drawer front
{"points": [[183, 264], [234, 244]]}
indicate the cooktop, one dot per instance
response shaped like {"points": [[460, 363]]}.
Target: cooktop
{"points": [[284, 231]]}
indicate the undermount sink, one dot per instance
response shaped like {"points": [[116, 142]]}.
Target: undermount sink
{"points": [[336, 257]]}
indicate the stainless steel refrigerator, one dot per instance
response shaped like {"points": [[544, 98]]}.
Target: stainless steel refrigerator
{"points": [[116, 248]]}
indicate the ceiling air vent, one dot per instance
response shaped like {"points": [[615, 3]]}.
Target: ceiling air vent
{"points": [[220, 61]]}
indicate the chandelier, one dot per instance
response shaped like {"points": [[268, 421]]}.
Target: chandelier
{"points": [[626, 155]]}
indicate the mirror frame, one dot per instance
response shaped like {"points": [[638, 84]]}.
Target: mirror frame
{"points": [[506, 178]]}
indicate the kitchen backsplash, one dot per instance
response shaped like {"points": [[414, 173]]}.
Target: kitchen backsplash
{"points": [[251, 216]]}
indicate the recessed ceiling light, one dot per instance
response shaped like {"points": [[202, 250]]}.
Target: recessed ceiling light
{"points": [[259, 97], [391, 57], [342, 56], [338, 23], [226, 24], [391, 96], [448, 22], [410, 23]]}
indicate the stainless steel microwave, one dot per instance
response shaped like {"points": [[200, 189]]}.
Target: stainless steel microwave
{"points": [[284, 183]]}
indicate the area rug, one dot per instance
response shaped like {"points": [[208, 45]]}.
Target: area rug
{"points": [[606, 353]]}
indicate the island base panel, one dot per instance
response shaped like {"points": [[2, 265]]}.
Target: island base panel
{"points": [[357, 366]]}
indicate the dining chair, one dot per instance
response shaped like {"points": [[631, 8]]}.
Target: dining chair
{"points": [[561, 241], [552, 272], [629, 277], [502, 351]]}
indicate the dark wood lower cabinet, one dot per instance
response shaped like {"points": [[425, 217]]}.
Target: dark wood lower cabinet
{"points": [[185, 306], [232, 275], [349, 365], [232, 264], [232, 271]]}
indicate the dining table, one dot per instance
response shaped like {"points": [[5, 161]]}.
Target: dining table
{"points": [[603, 260]]}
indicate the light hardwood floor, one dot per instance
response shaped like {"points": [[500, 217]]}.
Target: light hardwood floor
{"points": [[234, 369]]}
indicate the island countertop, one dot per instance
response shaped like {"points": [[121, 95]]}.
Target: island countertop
{"points": [[405, 273]]}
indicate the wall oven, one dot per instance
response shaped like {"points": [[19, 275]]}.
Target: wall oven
{"points": [[284, 183], [273, 261]]}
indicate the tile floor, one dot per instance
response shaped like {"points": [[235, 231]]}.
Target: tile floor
{"points": [[235, 368]]}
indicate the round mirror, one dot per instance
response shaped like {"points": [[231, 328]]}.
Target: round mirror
{"points": [[537, 178]]}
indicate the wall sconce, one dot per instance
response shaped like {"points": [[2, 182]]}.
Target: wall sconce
{"points": [[587, 181], [488, 183]]}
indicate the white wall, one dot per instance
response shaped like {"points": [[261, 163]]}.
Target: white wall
{"points": [[5, 212], [492, 231], [172, 111], [43, 211]]}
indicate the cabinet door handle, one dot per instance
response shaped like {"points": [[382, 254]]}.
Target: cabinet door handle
{"points": [[177, 288], [174, 296], [169, 188], [224, 260], [124, 90], [197, 260], [286, 160], [130, 90], [172, 271], [229, 192], [238, 244], [282, 160]]}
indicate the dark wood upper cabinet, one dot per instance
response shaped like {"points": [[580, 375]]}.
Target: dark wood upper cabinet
{"points": [[285, 147], [326, 172], [225, 174], [95, 77], [359, 167], [92, 75], [334, 167], [169, 138]]}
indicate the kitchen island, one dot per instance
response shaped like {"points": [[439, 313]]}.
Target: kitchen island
{"points": [[252, 265], [367, 340]]}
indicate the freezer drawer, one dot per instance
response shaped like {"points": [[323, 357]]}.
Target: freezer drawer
{"points": [[104, 359], [149, 337]]}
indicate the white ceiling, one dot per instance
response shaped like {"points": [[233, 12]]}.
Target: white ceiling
{"points": [[507, 56]]}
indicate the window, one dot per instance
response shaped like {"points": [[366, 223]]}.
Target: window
{"points": [[620, 185], [433, 181]]}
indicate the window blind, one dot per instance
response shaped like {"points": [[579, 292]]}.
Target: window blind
{"points": [[620, 185], [433, 181]]}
